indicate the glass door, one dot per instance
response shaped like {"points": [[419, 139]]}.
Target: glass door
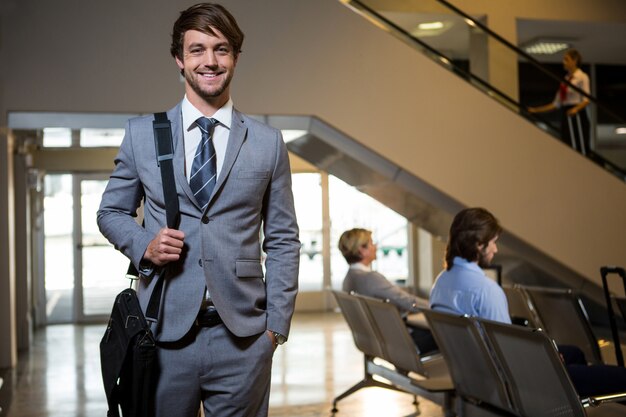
{"points": [[58, 253], [99, 268]]}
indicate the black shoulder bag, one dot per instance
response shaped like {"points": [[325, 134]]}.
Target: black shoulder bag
{"points": [[128, 348]]}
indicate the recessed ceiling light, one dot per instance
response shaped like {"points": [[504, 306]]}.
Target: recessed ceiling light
{"points": [[546, 46], [430, 26]]}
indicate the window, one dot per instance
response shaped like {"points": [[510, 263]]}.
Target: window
{"points": [[351, 208], [307, 192]]}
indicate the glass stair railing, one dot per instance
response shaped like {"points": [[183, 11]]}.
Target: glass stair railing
{"points": [[464, 45]]}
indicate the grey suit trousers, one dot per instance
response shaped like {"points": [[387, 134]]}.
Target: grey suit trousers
{"points": [[230, 375]]}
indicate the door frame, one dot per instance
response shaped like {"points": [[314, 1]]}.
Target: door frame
{"points": [[78, 245]]}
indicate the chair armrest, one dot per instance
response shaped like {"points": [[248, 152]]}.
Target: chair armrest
{"points": [[520, 321], [417, 320], [601, 399], [441, 384]]}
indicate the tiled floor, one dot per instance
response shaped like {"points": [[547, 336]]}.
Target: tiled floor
{"points": [[60, 377]]}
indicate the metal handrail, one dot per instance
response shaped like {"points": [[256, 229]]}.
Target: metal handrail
{"points": [[529, 58]]}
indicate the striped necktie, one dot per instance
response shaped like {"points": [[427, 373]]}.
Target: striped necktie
{"points": [[204, 167]]}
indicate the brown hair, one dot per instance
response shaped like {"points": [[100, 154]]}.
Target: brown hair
{"points": [[205, 17], [351, 241], [575, 55], [470, 228]]}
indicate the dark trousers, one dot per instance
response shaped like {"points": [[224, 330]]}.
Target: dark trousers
{"points": [[423, 339], [578, 126], [592, 380]]}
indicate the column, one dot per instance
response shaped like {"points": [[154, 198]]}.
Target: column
{"points": [[8, 344]]}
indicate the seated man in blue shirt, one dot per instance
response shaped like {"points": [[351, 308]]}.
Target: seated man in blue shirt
{"points": [[463, 289]]}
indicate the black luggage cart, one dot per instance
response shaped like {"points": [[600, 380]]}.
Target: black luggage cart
{"points": [[605, 271]]}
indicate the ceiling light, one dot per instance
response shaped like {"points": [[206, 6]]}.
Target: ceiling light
{"points": [[430, 29], [470, 22], [546, 46], [430, 26], [620, 130]]}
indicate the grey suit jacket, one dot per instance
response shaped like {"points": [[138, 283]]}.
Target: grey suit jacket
{"points": [[222, 244], [374, 284]]}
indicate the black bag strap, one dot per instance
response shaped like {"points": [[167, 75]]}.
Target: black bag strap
{"points": [[165, 159], [165, 156]]}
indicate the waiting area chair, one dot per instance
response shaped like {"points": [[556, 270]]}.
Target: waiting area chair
{"points": [[559, 312], [478, 382], [389, 352], [508, 370]]}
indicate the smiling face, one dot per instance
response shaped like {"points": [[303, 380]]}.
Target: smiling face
{"points": [[208, 65]]}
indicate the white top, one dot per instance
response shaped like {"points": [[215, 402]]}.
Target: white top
{"points": [[192, 134], [573, 97], [359, 266]]}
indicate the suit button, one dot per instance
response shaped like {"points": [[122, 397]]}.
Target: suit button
{"points": [[200, 262], [205, 220]]}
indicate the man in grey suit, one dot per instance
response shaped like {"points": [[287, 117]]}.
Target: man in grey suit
{"points": [[221, 318]]}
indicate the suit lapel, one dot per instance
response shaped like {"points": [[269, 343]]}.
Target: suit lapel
{"points": [[175, 116], [236, 138]]}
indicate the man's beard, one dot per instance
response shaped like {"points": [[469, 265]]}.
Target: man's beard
{"points": [[207, 96], [483, 262]]}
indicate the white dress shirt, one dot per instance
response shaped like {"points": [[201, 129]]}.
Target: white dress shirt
{"points": [[193, 136], [573, 97]]}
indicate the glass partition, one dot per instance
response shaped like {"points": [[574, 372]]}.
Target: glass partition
{"points": [[350, 208], [93, 138], [57, 137], [102, 267], [59, 248], [63, 137], [307, 193]]}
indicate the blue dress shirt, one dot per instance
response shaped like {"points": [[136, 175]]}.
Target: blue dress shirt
{"points": [[465, 289]]}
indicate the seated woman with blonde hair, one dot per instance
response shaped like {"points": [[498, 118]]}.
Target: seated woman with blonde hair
{"points": [[359, 250]]}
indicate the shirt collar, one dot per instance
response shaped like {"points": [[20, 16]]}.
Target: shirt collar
{"points": [[224, 114], [464, 263], [360, 267]]}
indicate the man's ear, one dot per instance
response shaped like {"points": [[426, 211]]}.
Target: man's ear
{"points": [[180, 63]]}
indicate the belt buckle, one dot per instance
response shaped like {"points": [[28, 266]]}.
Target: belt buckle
{"points": [[207, 317], [206, 304]]}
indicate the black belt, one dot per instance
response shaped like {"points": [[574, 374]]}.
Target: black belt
{"points": [[208, 318]]}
